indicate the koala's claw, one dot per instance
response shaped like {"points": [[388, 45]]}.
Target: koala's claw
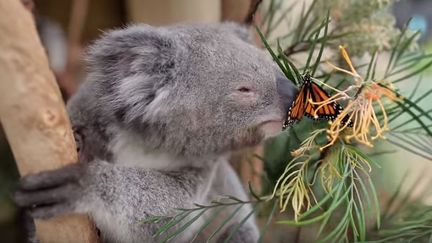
{"points": [[49, 193]]}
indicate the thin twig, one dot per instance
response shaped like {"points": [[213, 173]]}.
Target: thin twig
{"points": [[252, 10], [296, 48]]}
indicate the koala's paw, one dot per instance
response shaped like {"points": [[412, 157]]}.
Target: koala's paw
{"points": [[50, 193]]}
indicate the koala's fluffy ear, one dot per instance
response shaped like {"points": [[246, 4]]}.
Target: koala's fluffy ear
{"points": [[132, 68], [135, 49], [241, 31]]}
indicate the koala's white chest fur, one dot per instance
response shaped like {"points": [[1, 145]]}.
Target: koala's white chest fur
{"points": [[129, 150]]}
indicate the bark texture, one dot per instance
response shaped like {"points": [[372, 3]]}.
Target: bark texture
{"points": [[33, 115]]}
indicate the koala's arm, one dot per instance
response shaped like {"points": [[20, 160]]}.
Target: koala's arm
{"points": [[117, 198]]}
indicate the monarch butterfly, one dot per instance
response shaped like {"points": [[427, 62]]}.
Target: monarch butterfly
{"points": [[302, 104]]}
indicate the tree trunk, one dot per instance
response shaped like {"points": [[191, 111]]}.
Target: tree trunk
{"points": [[33, 115], [235, 10]]}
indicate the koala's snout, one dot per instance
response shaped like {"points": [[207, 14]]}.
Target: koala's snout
{"points": [[286, 89]]}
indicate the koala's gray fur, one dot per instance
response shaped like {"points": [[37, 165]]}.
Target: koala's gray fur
{"points": [[155, 122]]}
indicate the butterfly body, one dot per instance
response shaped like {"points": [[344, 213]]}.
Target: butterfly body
{"points": [[308, 103]]}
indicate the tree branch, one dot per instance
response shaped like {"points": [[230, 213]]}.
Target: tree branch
{"points": [[33, 115]]}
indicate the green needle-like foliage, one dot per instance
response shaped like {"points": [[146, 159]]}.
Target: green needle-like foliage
{"points": [[354, 184]]}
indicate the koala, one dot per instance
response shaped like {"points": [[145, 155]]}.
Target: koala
{"points": [[155, 122]]}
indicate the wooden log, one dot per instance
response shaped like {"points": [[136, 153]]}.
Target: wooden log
{"points": [[33, 115]]}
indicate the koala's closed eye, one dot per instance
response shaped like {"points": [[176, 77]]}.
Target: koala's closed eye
{"points": [[244, 89], [244, 95]]}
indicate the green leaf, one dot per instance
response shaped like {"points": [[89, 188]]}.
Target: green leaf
{"points": [[175, 220], [394, 196], [371, 64], [394, 50], [414, 116], [238, 225], [282, 16], [268, 18], [401, 145], [252, 192], [229, 218], [415, 72], [184, 226], [304, 20], [404, 46], [287, 65], [269, 221], [209, 220], [294, 74], [323, 43], [275, 58], [311, 50]]}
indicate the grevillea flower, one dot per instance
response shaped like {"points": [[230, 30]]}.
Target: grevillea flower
{"points": [[359, 120], [308, 144]]}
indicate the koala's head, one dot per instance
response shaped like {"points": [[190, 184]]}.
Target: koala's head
{"points": [[189, 90]]}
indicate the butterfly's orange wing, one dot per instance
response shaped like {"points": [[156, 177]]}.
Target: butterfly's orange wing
{"points": [[297, 108], [302, 105], [326, 112]]}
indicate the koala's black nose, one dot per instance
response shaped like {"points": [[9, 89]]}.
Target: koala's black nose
{"points": [[286, 89]]}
